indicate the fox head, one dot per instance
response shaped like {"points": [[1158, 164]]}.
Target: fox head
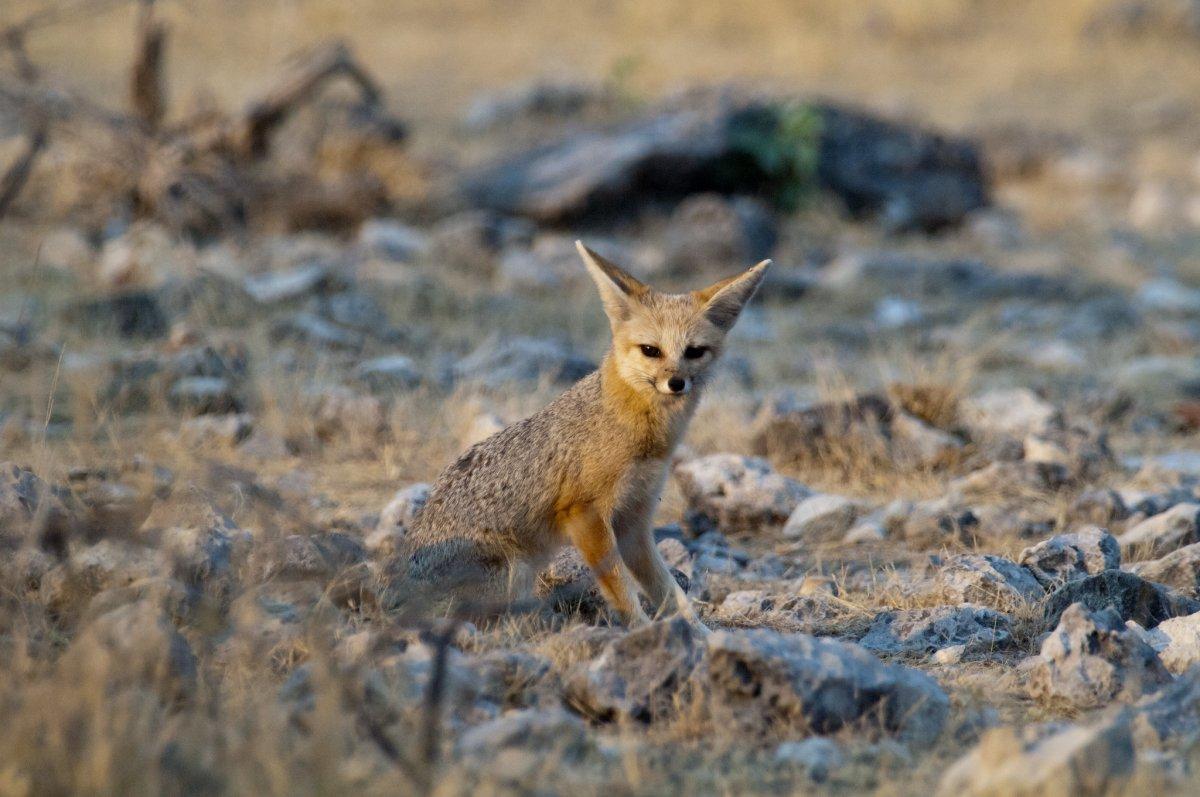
{"points": [[664, 344]]}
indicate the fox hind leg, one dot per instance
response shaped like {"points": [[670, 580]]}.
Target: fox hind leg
{"points": [[473, 578]]}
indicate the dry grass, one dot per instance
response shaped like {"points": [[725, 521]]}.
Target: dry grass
{"points": [[84, 715], [232, 734]]}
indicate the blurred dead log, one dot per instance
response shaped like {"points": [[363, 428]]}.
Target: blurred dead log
{"points": [[146, 93], [203, 177], [199, 176], [299, 84]]}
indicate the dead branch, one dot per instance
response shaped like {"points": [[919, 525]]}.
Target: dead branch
{"points": [[18, 174], [14, 42], [435, 695], [265, 114], [146, 94]]}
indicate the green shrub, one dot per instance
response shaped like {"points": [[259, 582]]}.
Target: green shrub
{"points": [[782, 144]]}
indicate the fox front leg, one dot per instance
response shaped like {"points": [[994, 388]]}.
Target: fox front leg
{"points": [[594, 538], [635, 539]]}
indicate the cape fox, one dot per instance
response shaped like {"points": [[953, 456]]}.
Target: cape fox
{"points": [[589, 467]]}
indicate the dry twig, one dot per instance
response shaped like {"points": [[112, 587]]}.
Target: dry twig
{"points": [[299, 83], [18, 173], [146, 94]]}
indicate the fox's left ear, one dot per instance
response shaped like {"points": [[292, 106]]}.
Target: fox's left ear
{"points": [[723, 302]]}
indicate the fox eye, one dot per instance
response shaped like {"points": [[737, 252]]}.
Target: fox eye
{"points": [[653, 352], [695, 352]]}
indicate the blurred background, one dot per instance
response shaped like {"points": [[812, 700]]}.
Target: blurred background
{"points": [[265, 264], [982, 182]]}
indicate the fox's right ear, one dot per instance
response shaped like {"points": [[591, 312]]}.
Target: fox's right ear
{"points": [[619, 290]]}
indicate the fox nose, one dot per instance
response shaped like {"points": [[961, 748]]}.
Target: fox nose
{"points": [[676, 384]]}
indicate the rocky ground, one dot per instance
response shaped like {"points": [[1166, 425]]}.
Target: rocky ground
{"points": [[941, 510]]}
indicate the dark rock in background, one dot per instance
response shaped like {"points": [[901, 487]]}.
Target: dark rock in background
{"points": [[910, 178], [131, 314]]}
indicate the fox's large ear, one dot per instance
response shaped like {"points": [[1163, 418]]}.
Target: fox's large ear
{"points": [[723, 301], [618, 289]]}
